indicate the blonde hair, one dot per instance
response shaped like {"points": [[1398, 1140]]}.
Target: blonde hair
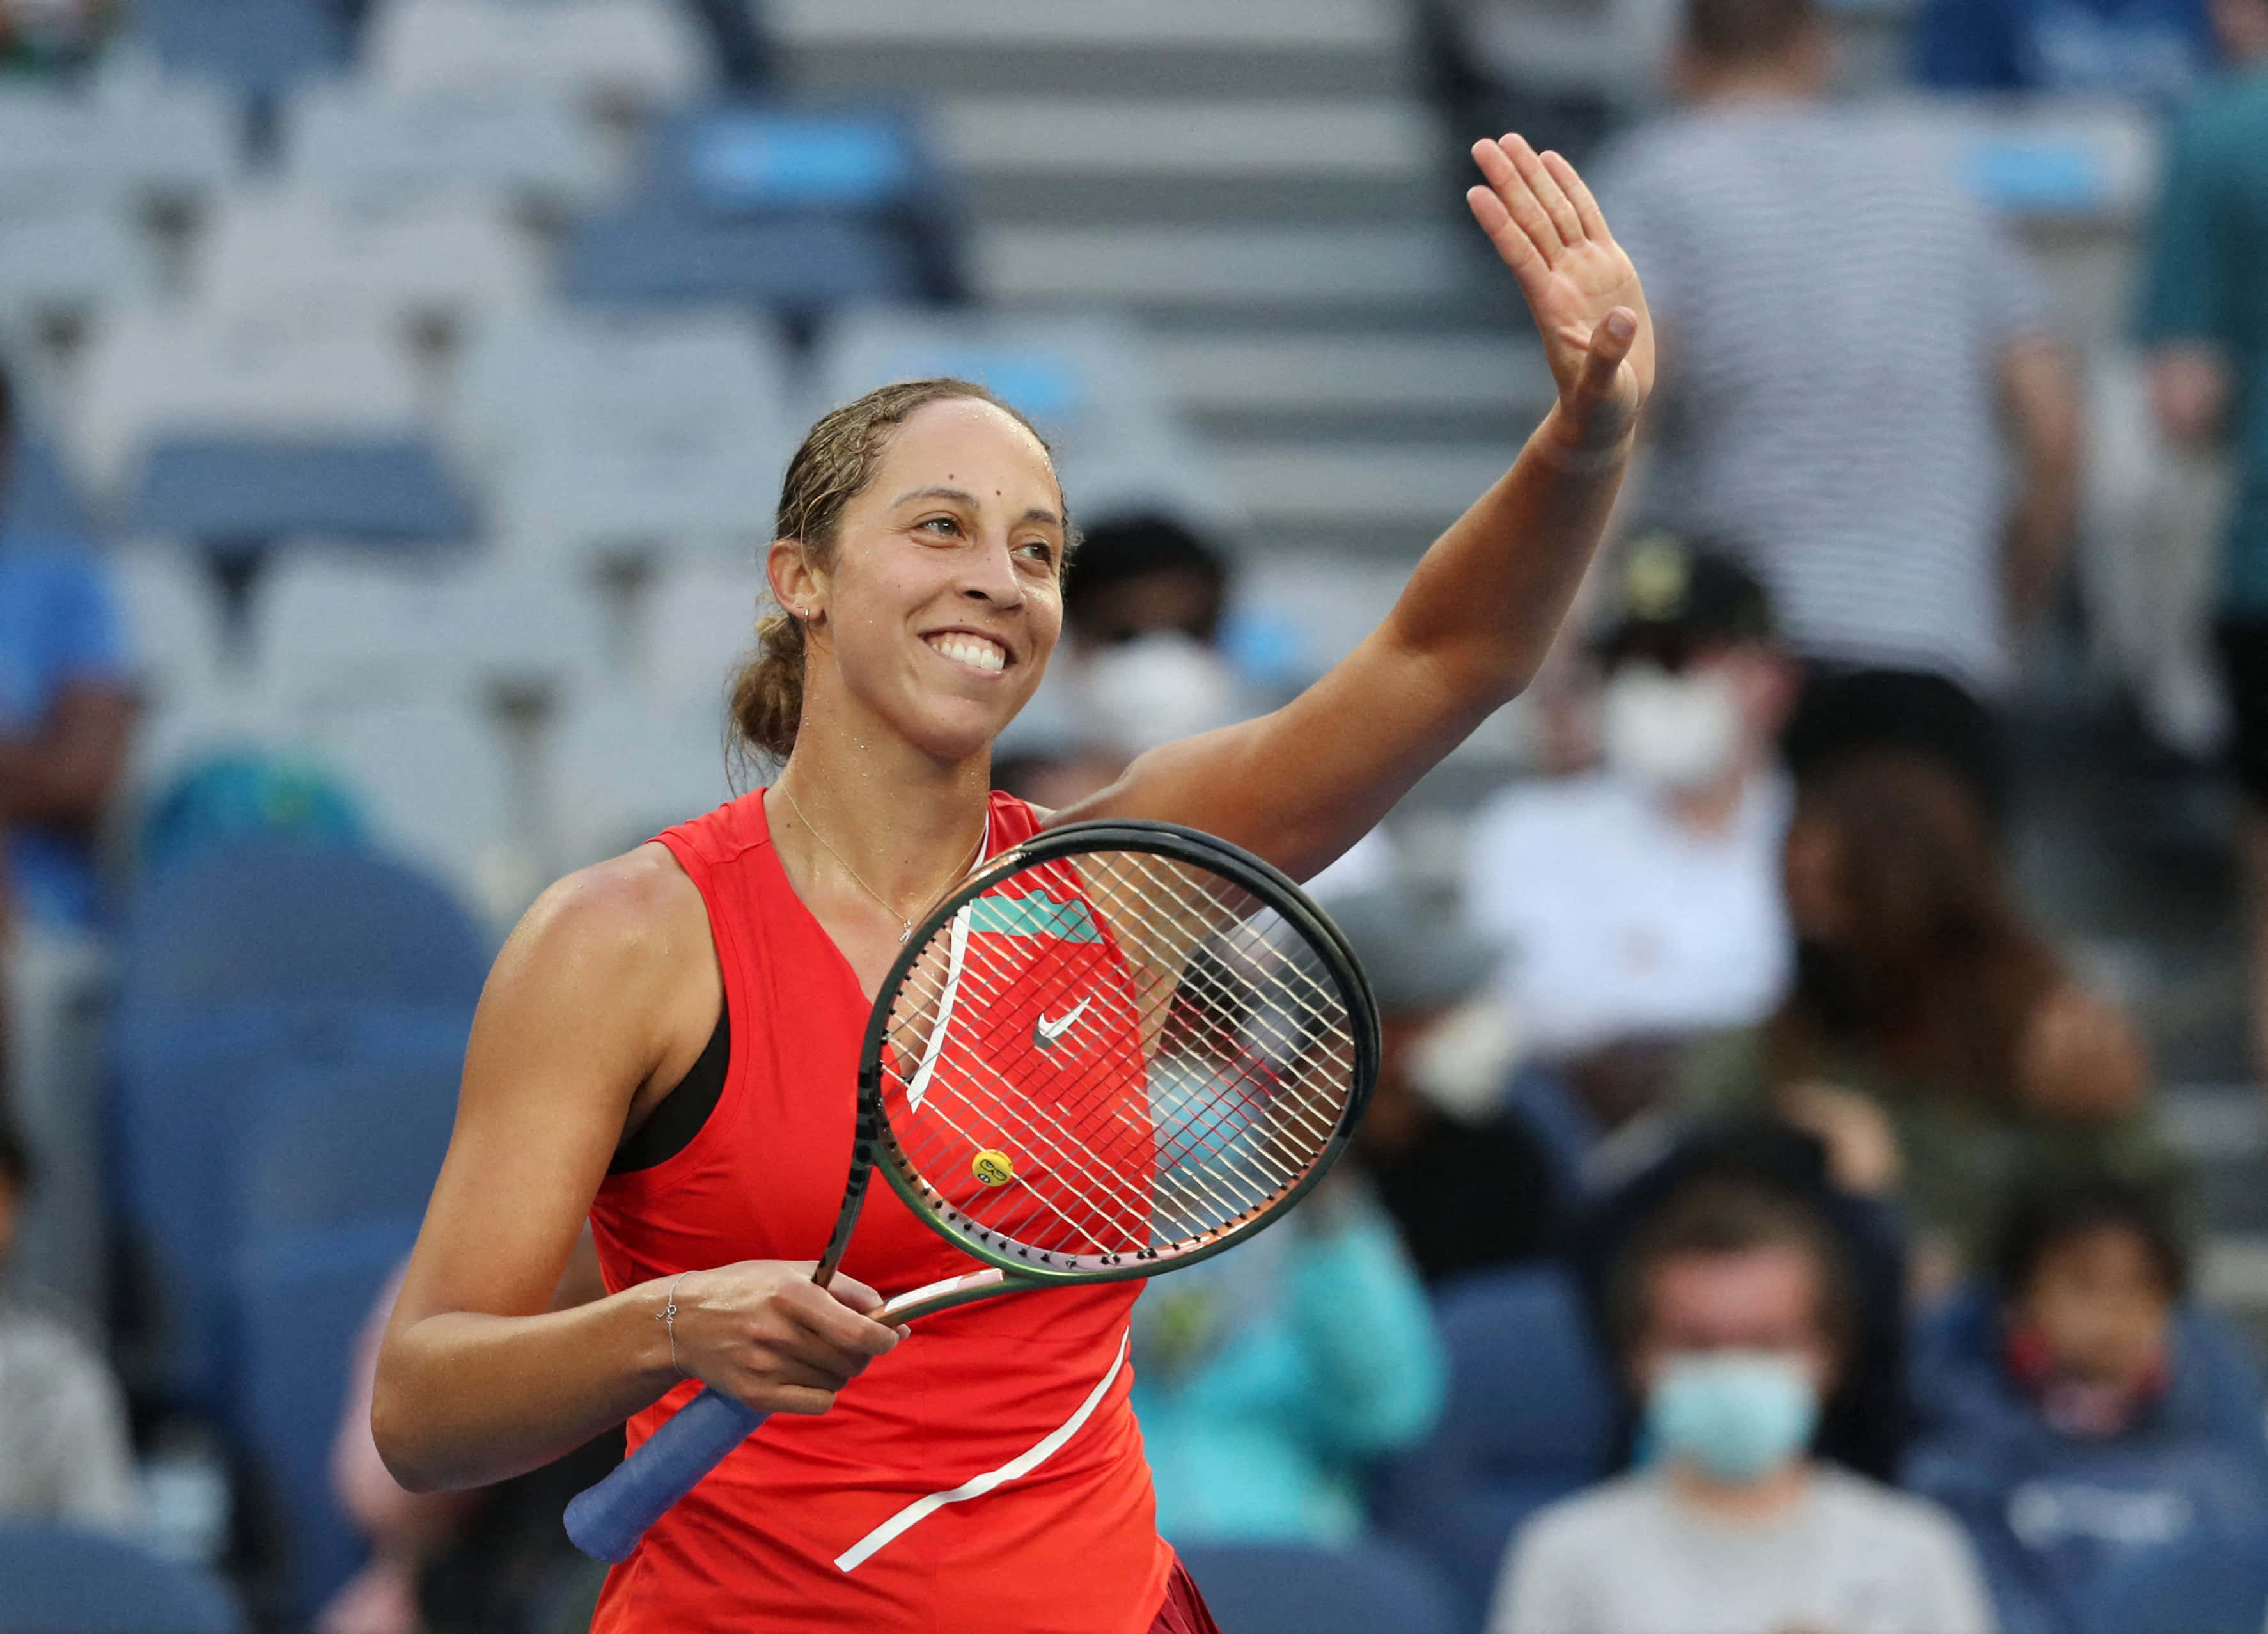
{"points": [[837, 461]]}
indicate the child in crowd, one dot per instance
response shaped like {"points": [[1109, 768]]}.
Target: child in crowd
{"points": [[2077, 1413], [1732, 1312]]}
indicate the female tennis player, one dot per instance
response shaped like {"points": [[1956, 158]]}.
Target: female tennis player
{"points": [[668, 1043]]}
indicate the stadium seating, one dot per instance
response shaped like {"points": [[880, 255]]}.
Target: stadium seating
{"points": [[2217, 1583], [232, 490], [1082, 380], [262, 47], [53, 1580], [273, 373], [336, 1170], [646, 255], [236, 964], [43, 500], [139, 139], [63, 264], [1371, 1587], [636, 53], [363, 146], [1530, 1417]]}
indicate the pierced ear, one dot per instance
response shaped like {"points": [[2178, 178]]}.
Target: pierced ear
{"points": [[798, 585]]}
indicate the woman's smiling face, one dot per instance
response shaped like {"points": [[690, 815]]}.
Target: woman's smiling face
{"points": [[942, 598]]}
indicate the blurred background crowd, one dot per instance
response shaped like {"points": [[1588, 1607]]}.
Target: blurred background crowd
{"points": [[1817, 1177]]}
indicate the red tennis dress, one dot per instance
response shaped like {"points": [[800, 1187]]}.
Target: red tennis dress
{"points": [[987, 1474]]}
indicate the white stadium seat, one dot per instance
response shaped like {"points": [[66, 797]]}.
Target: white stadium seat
{"points": [[625, 766], [71, 262], [453, 258], [154, 370], [642, 53], [357, 143]]}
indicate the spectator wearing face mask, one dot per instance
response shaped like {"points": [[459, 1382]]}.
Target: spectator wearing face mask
{"points": [[1640, 903], [1732, 1311], [2078, 1412], [1462, 1175]]}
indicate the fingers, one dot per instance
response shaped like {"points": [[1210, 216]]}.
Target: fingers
{"points": [[1510, 189], [1586, 208], [1565, 224], [821, 1312], [1510, 243]]}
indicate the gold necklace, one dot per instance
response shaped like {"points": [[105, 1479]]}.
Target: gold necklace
{"points": [[844, 863]]}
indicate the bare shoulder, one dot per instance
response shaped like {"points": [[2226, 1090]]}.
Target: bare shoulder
{"points": [[631, 927]]}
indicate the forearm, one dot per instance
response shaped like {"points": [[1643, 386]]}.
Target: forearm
{"points": [[464, 1398], [1487, 602]]}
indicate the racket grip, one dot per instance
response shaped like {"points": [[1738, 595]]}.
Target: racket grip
{"points": [[607, 1522]]}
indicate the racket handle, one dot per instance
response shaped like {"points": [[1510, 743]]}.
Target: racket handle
{"points": [[607, 1522]]}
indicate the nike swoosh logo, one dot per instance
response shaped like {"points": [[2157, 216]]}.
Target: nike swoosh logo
{"points": [[1046, 1033]]}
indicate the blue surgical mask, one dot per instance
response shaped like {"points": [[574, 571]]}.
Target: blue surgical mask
{"points": [[1736, 1414]]}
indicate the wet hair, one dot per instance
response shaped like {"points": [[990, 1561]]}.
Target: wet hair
{"points": [[1718, 1214], [1938, 974], [837, 459], [1746, 30], [1121, 548], [2053, 1210]]}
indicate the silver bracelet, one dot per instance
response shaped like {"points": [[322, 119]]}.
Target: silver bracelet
{"points": [[667, 1317]]}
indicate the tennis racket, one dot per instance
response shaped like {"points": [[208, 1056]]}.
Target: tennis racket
{"points": [[1115, 1050]]}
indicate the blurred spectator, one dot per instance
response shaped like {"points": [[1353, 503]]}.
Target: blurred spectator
{"points": [[64, 1449], [43, 37], [1643, 899], [1268, 1378], [1732, 1314], [1932, 1039], [66, 709], [1140, 664], [2077, 1414], [1463, 1175], [1843, 328], [445, 1562], [1862, 1423], [2205, 313], [2149, 49]]}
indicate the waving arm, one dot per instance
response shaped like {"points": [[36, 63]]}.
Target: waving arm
{"points": [[1300, 785]]}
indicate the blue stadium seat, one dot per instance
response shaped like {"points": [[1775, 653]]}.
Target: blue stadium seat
{"points": [[55, 1580], [800, 265], [295, 925], [1530, 1417], [237, 966], [337, 1171], [2216, 1583], [42, 502], [377, 491], [1371, 1587], [263, 47], [751, 160]]}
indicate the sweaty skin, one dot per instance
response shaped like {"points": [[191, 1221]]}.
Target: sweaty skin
{"points": [[925, 633]]}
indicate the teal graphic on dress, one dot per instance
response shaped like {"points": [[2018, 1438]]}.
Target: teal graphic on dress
{"points": [[1034, 915]]}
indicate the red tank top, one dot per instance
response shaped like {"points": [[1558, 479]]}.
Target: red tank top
{"points": [[986, 1475]]}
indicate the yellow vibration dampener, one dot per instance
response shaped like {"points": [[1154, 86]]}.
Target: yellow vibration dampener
{"points": [[993, 1167]]}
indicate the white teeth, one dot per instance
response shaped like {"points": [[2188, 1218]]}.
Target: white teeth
{"points": [[970, 650]]}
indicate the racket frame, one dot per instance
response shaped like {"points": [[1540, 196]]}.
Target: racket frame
{"points": [[1016, 1268]]}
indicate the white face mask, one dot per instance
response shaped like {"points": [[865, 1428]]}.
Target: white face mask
{"points": [[1463, 1062], [1156, 688], [1671, 731]]}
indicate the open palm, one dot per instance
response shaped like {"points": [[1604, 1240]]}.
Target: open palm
{"points": [[1580, 287]]}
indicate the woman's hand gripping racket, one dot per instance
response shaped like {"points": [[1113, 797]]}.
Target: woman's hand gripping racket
{"points": [[1119, 1049]]}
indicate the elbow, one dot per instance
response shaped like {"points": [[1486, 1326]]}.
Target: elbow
{"points": [[400, 1438]]}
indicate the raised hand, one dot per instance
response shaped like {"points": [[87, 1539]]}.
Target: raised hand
{"points": [[1580, 287]]}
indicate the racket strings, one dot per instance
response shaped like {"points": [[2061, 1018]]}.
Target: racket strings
{"points": [[1142, 1056]]}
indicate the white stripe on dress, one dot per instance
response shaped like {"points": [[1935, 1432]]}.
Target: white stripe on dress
{"points": [[922, 1508]]}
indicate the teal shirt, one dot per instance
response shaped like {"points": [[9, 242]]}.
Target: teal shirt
{"points": [[1267, 1380], [2207, 281]]}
